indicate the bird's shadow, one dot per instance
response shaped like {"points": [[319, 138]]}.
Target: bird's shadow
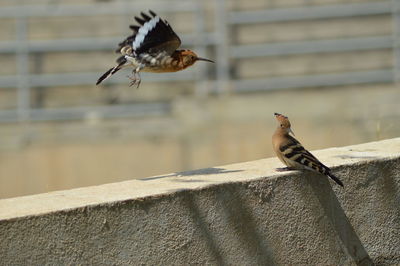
{"points": [[205, 171], [358, 154], [346, 156]]}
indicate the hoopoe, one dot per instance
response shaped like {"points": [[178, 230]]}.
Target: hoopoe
{"points": [[293, 154], [151, 48]]}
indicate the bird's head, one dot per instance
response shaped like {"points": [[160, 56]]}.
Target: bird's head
{"points": [[284, 123], [189, 58]]}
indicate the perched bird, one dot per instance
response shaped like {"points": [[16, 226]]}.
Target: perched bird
{"points": [[293, 154], [151, 48]]}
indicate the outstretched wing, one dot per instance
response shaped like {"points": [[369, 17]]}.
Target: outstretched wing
{"points": [[153, 35]]}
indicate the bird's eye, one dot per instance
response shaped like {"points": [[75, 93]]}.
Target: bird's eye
{"points": [[281, 125]]}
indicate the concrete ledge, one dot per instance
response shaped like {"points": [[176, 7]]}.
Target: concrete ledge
{"points": [[239, 214]]}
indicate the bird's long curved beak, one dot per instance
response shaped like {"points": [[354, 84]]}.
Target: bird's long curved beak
{"points": [[205, 59]]}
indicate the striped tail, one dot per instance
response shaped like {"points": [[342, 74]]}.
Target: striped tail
{"points": [[334, 178], [112, 71]]}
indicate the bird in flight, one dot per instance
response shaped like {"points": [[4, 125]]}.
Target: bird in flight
{"points": [[153, 47], [293, 154]]}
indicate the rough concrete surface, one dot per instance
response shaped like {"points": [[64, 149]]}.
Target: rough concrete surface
{"points": [[239, 214]]}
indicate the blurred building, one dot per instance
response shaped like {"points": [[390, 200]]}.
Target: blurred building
{"points": [[331, 66]]}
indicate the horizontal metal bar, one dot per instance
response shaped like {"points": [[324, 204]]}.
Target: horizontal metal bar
{"points": [[308, 47], [91, 44], [91, 112], [310, 12], [90, 78], [337, 79], [61, 45], [158, 109], [112, 8]]}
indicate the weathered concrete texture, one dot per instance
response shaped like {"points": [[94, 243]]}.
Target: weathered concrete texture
{"points": [[240, 214]]}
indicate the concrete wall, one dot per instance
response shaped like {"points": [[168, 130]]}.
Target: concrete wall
{"points": [[240, 214]]}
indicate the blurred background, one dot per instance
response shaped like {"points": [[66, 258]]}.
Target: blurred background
{"points": [[332, 66]]}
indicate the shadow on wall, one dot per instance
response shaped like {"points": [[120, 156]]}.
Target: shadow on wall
{"points": [[227, 215], [338, 219], [238, 225], [237, 214]]}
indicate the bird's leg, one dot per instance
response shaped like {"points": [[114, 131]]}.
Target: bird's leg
{"points": [[135, 77], [139, 80], [284, 169]]}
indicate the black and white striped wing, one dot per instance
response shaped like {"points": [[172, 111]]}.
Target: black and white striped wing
{"points": [[295, 152], [296, 156], [154, 35]]}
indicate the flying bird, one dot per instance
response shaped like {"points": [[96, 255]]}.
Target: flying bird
{"points": [[153, 47], [293, 154]]}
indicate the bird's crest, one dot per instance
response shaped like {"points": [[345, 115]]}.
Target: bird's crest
{"points": [[283, 120]]}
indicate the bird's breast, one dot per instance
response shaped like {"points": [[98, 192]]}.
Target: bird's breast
{"points": [[162, 64]]}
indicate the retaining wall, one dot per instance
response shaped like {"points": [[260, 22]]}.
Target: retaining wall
{"points": [[239, 214]]}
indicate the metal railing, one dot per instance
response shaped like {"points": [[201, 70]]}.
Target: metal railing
{"points": [[218, 40], [317, 46]]}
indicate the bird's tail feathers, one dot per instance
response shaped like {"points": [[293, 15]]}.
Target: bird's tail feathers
{"points": [[105, 76], [335, 178], [111, 71]]}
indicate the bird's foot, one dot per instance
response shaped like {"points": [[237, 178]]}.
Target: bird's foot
{"points": [[284, 169], [134, 81], [135, 78], [138, 83]]}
